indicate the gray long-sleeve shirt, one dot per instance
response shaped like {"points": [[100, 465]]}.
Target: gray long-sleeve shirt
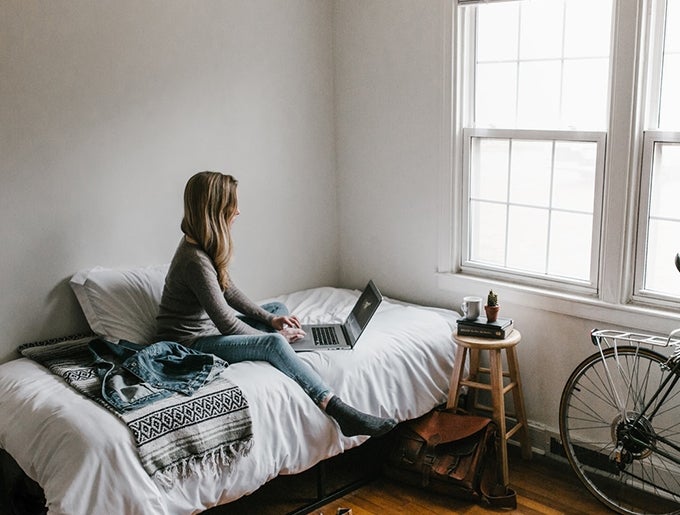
{"points": [[194, 305]]}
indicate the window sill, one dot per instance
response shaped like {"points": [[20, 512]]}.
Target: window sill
{"points": [[629, 316]]}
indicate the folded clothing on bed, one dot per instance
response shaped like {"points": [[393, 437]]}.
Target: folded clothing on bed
{"points": [[133, 375], [211, 426]]}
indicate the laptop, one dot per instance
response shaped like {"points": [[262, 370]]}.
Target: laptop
{"points": [[342, 336]]}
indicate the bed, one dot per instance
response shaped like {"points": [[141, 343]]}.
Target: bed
{"points": [[85, 459]]}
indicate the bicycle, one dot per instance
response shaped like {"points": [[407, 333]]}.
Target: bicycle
{"points": [[620, 421]]}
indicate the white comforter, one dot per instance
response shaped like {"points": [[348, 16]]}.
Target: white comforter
{"points": [[85, 458]]}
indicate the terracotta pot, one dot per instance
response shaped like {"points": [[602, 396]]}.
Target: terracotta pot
{"points": [[492, 313]]}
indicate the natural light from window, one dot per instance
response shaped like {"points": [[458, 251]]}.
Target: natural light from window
{"points": [[664, 220], [661, 168], [669, 112], [542, 64], [534, 139]]}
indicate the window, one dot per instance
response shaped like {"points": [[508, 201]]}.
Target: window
{"points": [[565, 152], [659, 220], [533, 100], [531, 202]]}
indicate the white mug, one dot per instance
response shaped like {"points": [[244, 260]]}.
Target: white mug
{"points": [[471, 307]]}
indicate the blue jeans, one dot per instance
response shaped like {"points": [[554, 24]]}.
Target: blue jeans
{"points": [[134, 375], [271, 347]]}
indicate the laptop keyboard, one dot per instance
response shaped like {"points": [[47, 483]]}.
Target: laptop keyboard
{"points": [[324, 336]]}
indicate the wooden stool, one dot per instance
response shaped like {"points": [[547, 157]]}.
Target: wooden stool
{"points": [[474, 345]]}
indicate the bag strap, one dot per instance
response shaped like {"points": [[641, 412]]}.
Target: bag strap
{"points": [[493, 491], [508, 499], [429, 455]]}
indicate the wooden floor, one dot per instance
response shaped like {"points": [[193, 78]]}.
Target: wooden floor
{"points": [[543, 486]]}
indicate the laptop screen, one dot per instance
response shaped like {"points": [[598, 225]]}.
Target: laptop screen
{"points": [[363, 311]]}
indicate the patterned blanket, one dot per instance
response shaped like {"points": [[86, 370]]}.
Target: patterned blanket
{"points": [[210, 428]]}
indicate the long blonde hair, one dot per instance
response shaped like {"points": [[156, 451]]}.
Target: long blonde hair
{"points": [[210, 203]]}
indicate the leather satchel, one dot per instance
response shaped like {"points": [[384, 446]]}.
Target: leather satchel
{"points": [[451, 454]]}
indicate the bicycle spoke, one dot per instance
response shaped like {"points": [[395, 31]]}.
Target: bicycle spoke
{"points": [[602, 386], [640, 392], [670, 404], [658, 473], [587, 409]]}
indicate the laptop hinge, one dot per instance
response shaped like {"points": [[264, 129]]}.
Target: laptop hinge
{"points": [[348, 335]]}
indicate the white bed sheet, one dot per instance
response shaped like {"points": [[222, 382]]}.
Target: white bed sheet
{"points": [[85, 458]]}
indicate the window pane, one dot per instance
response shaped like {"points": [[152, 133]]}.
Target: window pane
{"points": [[544, 58], [527, 239], [670, 97], [496, 94], [574, 177], [669, 104], [532, 204], [663, 224], [539, 94], [666, 183], [570, 245], [497, 32], [587, 28], [584, 101], [672, 36], [661, 274], [530, 172], [487, 244], [541, 29], [490, 158]]}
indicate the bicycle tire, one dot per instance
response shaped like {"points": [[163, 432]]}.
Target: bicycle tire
{"points": [[639, 475]]}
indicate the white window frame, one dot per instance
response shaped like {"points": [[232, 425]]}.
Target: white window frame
{"points": [[651, 138], [534, 279], [614, 302], [650, 80]]}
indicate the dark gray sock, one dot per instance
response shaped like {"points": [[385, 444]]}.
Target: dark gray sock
{"points": [[353, 422]]}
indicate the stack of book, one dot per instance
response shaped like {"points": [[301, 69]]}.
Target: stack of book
{"points": [[482, 328]]}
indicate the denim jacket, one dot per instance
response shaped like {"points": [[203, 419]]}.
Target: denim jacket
{"points": [[134, 375]]}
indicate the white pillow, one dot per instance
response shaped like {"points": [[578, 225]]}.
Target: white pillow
{"points": [[121, 303]]}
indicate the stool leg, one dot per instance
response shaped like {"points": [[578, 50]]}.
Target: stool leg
{"points": [[498, 404], [518, 400], [474, 365], [473, 376], [454, 387]]}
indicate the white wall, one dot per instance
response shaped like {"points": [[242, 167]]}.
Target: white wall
{"points": [[106, 108], [390, 89]]}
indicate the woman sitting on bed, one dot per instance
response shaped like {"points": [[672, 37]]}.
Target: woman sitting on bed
{"points": [[199, 304]]}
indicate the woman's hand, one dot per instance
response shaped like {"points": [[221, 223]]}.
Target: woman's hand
{"points": [[280, 323], [292, 334], [290, 327]]}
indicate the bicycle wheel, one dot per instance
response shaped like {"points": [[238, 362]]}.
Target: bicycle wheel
{"points": [[627, 458]]}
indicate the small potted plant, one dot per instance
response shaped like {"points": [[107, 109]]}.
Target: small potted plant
{"points": [[491, 307]]}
